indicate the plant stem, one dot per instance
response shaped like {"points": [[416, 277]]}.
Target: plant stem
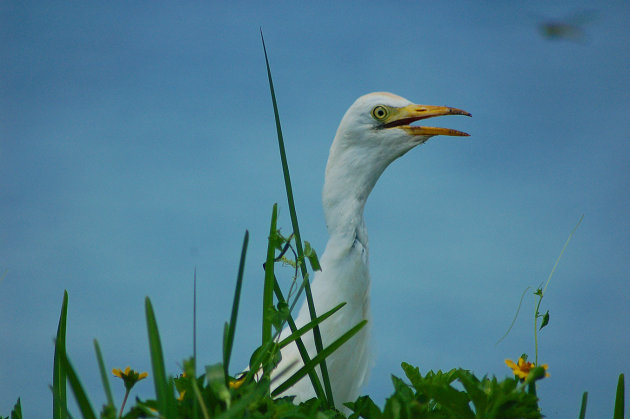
{"points": [[123, 403]]}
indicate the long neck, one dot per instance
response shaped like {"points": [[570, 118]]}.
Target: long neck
{"points": [[350, 177]]}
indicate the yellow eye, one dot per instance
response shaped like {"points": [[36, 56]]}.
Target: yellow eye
{"points": [[380, 112]]}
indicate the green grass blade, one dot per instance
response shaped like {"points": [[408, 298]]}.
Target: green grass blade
{"points": [[199, 400], [79, 392], [163, 392], [296, 229], [60, 401], [229, 334], [104, 376], [16, 413], [308, 326], [267, 305], [195, 320], [619, 399], [318, 359], [582, 414], [195, 405], [317, 385]]}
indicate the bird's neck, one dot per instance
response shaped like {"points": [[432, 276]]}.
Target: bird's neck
{"points": [[350, 177]]}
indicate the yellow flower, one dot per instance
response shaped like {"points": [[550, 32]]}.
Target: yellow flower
{"points": [[182, 393], [235, 384], [129, 376], [523, 368]]}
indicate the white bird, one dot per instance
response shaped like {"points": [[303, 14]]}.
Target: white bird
{"points": [[374, 132]]}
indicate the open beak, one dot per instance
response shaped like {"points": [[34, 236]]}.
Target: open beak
{"points": [[411, 113]]}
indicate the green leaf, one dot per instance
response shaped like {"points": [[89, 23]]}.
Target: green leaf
{"points": [[364, 407], [60, 402], [318, 359], [545, 320], [619, 398], [296, 231], [240, 406], [582, 414], [163, 391], [104, 376], [228, 337], [310, 254]]}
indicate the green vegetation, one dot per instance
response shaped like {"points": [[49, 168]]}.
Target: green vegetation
{"points": [[216, 393]]}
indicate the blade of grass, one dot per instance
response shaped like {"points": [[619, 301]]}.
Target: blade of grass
{"points": [[318, 359], [308, 326], [582, 414], [79, 392], [228, 336], [195, 320], [163, 392], [267, 305], [317, 385], [619, 398], [199, 399], [104, 377], [195, 405], [60, 401], [296, 230], [16, 413]]}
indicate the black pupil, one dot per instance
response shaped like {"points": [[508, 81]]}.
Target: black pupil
{"points": [[380, 112]]}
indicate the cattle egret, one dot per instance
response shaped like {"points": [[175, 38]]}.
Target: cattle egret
{"points": [[374, 132]]}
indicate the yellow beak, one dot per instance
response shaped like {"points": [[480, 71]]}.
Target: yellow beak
{"points": [[402, 117]]}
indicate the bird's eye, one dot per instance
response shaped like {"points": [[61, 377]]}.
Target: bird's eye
{"points": [[380, 112]]}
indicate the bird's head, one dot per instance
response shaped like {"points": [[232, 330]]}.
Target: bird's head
{"points": [[378, 124], [375, 131]]}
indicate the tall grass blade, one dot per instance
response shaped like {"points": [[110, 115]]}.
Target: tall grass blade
{"points": [[104, 377], [619, 398], [87, 412], [318, 359], [195, 405], [228, 336], [267, 305], [60, 401], [195, 320], [317, 385], [296, 230], [582, 414], [199, 400], [308, 326], [163, 391], [16, 413]]}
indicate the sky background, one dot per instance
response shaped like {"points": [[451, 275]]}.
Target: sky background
{"points": [[137, 142]]}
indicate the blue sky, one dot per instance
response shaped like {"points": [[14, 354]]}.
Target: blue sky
{"points": [[137, 142]]}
